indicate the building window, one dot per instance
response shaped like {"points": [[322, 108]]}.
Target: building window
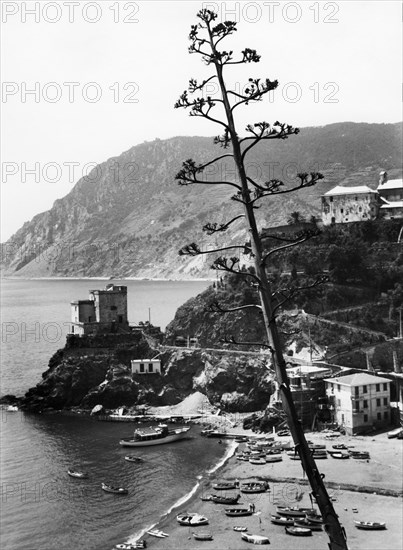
{"points": [[141, 367], [378, 402], [365, 404], [357, 406], [385, 387], [150, 367], [341, 210], [385, 415], [385, 401], [379, 416], [365, 418], [338, 387], [338, 402], [360, 209], [331, 199], [357, 391], [378, 387], [364, 389]]}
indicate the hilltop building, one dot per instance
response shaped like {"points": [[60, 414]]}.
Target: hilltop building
{"points": [[104, 312], [349, 204], [361, 203], [391, 197], [360, 401]]}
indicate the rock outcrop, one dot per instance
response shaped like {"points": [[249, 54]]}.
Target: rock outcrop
{"points": [[97, 372]]}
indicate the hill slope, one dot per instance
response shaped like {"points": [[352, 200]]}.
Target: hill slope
{"points": [[129, 217]]}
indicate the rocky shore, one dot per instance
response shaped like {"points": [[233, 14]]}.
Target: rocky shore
{"points": [[96, 371]]}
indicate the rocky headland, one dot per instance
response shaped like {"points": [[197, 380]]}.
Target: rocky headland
{"points": [[92, 371]]}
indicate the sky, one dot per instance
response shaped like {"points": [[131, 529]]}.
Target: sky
{"points": [[83, 81]]}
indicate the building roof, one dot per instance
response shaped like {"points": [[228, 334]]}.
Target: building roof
{"points": [[340, 190], [393, 204], [357, 379], [391, 184]]}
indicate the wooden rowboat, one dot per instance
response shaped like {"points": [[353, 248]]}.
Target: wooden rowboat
{"points": [[370, 525], [203, 536], [281, 520], [114, 490], [236, 512], [298, 531], [255, 539]]}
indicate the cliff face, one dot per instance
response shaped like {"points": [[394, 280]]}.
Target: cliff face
{"points": [[96, 374], [129, 217]]}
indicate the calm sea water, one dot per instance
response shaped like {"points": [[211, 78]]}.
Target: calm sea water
{"points": [[42, 508]]}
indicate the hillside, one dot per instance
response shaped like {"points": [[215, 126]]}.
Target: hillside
{"points": [[128, 217]]}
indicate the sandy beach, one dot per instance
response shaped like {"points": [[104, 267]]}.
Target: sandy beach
{"points": [[361, 490]]}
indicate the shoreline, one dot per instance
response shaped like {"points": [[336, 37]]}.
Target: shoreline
{"points": [[187, 498], [371, 501]]}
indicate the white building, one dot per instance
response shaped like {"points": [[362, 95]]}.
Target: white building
{"points": [[391, 195], [361, 401], [349, 204], [146, 366]]}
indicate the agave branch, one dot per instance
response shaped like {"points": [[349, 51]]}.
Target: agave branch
{"points": [[188, 174], [193, 249], [231, 340], [254, 92], [284, 247], [216, 308], [263, 131], [211, 228], [289, 293]]}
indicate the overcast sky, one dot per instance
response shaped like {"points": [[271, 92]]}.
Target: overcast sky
{"points": [[105, 76]]}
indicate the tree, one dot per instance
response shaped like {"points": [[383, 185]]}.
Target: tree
{"points": [[205, 38]]}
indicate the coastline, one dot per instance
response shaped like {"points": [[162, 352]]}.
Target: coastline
{"points": [[367, 494], [101, 278]]}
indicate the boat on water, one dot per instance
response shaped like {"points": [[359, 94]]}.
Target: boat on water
{"points": [[157, 533], [237, 512], [221, 499], [191, 519], [299, 531], [255, 539], [370, 525], [132, 458], [114, 490], [281, 520], [154, 436], [77, 474], [203, 536]]}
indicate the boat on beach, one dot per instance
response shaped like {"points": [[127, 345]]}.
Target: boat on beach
{"points": [[154, 436], [298, 531], [157, 533], [221, 499], [370, 525], [281, 520], [114, 490], [237, 512], [77, 474], [203, 536], [273, 458], [254, 487], [224, 486], [289, 511], [308, 524], [255, 539], [191, 519]]}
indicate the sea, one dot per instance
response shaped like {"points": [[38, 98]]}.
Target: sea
{"points": [[42, 508]]}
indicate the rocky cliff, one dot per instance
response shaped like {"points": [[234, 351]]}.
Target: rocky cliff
{"points": [[97, 372], [129, 217]]}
